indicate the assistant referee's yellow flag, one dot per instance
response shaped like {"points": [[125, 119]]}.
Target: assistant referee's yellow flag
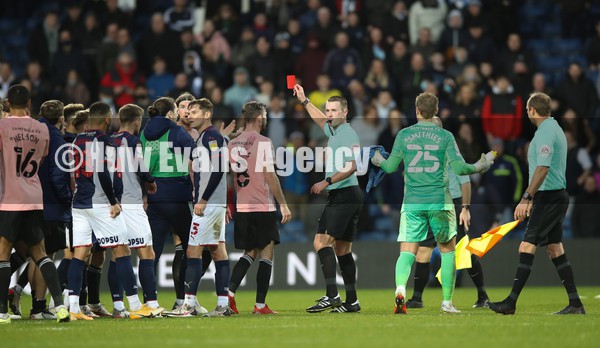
{"points": [[480, 246], [462, 257]]}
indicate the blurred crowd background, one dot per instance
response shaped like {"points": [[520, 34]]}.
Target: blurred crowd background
{"points": [[482, 58]]}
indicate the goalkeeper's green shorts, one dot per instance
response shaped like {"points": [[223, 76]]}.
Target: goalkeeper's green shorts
{"points": [[414, 225]]}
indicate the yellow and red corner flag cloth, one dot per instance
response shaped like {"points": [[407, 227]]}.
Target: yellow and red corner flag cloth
{"points": [[480, 246], [462, 257]]}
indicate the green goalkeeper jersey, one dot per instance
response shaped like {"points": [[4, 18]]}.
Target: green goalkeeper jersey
{"points": [[427, 151]]}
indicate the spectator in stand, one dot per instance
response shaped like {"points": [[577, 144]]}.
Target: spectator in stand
{"points": [[323, 92], [367, 126], [350, 73], [43, 42], [108, 50], [466, 109], [592, 49], [265, 89], [67, 57], [228, 23], [221, 113], [325, 28], [277, 126], [470, 149], [574, 18], [309, 63], [262, 65], [41, 89], [75, 91], [427, 14], [396, 23], [579, 164], [91, 38], [160, 82], [514, 52], [158, 41], [502, 114], [122, 80], [374, 48], [474, 12], [187, 42], [577, 92], [398, 61], [109, 12], [309, 17], [180, 17], [339, 56], [488, 78], [384, 104], [503, 184], [459, 63], [215, 50], [410, 86], [357, 99], [424, 45], [479, 44], [378, 79], [295, 186], [243, 48], [437, 69], [453, 36], [192, 68], [284, 57], [241, 91], [584, 221], [260, 26], [395, 122], [355, 30], [73, 22], [181, 85], [297, 39]]}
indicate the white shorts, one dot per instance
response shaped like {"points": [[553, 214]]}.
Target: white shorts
{"points": [[208, 229], [109, 232], [139, 233]]}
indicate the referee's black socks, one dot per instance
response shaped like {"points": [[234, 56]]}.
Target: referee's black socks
{"points": [[523, 271], [50, 275], [421, 278], [327, 258], [565, 272], [5, 273], [348, 268]]}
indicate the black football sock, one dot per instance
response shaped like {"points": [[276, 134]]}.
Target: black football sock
{"points": [[476, 274], [63, 271], [5, 273], [206, 260], [327, 258], [38, 305], [93, 279], [565, 272], [523, 271], [263, 277], [239, 271], [84, 288], [422, 270], [176, 269], [24, 277], [348, 268], [50, 275], [16, 262]]}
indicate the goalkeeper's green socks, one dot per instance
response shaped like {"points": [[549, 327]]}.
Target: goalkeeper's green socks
{"points": [[403, 266], [448, 275]]}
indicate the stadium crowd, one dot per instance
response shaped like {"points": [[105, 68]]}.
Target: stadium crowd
{"points": [[476, 55]]}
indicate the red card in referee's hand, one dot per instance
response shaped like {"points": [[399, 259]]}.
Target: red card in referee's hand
{"points": [[291, 81]]}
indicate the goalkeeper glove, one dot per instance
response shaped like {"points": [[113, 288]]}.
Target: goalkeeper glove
{"points": [[377, 159], [483, 164]]}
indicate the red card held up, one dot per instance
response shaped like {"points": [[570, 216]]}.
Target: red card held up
{"points": [[291, 81]]}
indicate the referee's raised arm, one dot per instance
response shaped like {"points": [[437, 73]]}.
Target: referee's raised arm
{"points": [[314, 112]]}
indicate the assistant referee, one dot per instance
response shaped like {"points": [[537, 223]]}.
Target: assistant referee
{"points": [[545, 203]]}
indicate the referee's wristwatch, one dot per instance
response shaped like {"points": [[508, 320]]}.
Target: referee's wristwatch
{"points": [[328, 179], [466, 206], [527, 196], [305, 102]]}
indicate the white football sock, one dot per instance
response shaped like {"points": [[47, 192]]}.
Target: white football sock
{"points": [[74, 304], [222, 301], [134, 302], [119, 305]]}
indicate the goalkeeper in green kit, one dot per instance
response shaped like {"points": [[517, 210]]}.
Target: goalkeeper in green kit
{"points": [[427, 150]]}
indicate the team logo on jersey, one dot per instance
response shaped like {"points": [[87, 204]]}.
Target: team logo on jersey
{"points": [[545, 150], [212, 145]]}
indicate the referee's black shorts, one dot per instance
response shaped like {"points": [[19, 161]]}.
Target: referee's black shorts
{"points": [[55, 236], [460, 229], [255, 230], [27, 226], [545, 224], [340, 215]]}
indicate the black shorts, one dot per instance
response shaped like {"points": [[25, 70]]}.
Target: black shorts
{"points": [[27, 226], [460, 229], [545, 225], [341, 213], [55, 236], [255, 230]]}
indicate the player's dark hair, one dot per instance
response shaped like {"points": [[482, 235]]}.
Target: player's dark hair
{"points": [[541, 103], [18, 96], [99, 111], [129, 113], [252, 110], [161, 107], [52, 110], [204, 104], [427, 103], [343, 102], [185, 96], [70, 110], [80, 119]]}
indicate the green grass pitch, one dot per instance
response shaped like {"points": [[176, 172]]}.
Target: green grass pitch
{"points": [[375, 326]]}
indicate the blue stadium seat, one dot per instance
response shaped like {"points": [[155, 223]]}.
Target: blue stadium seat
{"points": [[567, 46], [8, 25], [383, 223], [16, 41], [540, 46], [533, 11], [551, 30], [373, 236], [550, 63]]}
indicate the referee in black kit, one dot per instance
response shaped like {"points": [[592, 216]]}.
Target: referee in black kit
{"points": [[545, 203]]}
